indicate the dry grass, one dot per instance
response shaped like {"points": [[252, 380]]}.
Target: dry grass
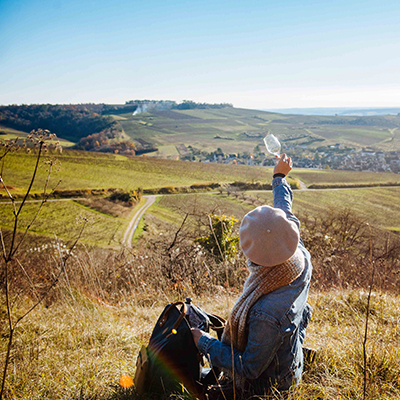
{"points": [[79, 347], [106, 206], [88, 333], [336, 332], [89, 330]]}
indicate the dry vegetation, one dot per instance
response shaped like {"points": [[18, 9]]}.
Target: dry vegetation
{"points": [[89, 330], [106, 206]]}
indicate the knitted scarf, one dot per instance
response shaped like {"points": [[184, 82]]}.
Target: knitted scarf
{"points": [[262, 280]]}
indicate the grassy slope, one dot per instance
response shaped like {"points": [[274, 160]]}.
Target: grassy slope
{"points": [[84, 170], [79, 348], [11, 133], [199, 128], [204, 204], [64, 219], [379, 206], [337, 177]]}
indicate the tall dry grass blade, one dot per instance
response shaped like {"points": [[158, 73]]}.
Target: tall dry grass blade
{"points": [[372, 264]]}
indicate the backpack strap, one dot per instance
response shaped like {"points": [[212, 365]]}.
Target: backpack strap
{"points": [[217, 324], [183, 311]]}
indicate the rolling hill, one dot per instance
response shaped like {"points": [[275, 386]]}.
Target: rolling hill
{"points": [[233, 130], [236, 130]]}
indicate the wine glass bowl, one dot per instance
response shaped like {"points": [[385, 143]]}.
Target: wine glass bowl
{"points": [[272, 144]]}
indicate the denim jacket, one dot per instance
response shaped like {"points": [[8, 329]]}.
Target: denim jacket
{"points": [[276, 326]]}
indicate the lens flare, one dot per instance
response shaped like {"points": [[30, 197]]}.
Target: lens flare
{"points": [[125, 381]]}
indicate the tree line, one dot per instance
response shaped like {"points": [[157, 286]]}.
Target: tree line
{"points": [[71, 122], [173, 105]]}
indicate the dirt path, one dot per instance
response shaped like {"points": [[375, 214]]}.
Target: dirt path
{"points": [[130, 230], [302, 185]]}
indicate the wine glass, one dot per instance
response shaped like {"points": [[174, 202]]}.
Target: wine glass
{"points": [[272, 144]]}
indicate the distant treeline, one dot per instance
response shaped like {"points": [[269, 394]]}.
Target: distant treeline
{"points": [[388, 121], [147, 105], [71, 122]]}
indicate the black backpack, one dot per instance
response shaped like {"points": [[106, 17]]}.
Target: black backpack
{"points": [[171, 362]]}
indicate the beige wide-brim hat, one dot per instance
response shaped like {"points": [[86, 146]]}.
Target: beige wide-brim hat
{"points": [[267, 237]]}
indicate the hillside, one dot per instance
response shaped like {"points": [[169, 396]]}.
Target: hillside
{"points": [[80, 170], [71, 122], [339, 111], [187, 133], [83, 174], [237, 130]]}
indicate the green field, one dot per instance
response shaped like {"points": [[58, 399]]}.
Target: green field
{"points": [[77, 170], [199, 204], [339, 177], [85, 170], [378, 206], [10, 133], [64, 219]]}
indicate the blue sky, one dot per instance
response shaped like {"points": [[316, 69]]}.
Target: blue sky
{"points": [[254, 54]]}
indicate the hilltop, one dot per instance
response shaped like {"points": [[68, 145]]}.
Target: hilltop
{"points": [[236, 130], [190, 130]]}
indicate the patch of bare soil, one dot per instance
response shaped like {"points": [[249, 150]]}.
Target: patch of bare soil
{"points": [[106, 206]]}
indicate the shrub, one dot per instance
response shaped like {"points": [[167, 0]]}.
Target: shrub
{"points": [[339, 243], [220, 241], [209, 185], [127, 197], [168, 190]]}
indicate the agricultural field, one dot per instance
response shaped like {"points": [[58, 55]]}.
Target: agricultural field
{"points": [[7, 133], [65, 219], [235, 130], [378, 206], [338, 177], [87, 170], [78, 170], [172, 208]]}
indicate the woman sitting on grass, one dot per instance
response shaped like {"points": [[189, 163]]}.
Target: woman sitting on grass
{"points": [[262, 342]]}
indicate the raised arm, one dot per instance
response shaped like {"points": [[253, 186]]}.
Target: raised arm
{"points": [[283, 195]]}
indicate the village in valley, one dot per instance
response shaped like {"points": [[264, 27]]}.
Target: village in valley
{"points": [[337, 156]]}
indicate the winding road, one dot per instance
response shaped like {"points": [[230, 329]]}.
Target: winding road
{"points": [[130, 230], [150, 199]]}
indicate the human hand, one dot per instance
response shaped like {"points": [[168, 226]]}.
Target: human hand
{"points": [[197, 334], [283, 164]]}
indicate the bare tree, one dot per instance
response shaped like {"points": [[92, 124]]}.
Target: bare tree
{"points": [[11, 245]]}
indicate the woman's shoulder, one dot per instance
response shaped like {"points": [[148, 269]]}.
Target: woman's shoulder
{"points": [[283, 304]]}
